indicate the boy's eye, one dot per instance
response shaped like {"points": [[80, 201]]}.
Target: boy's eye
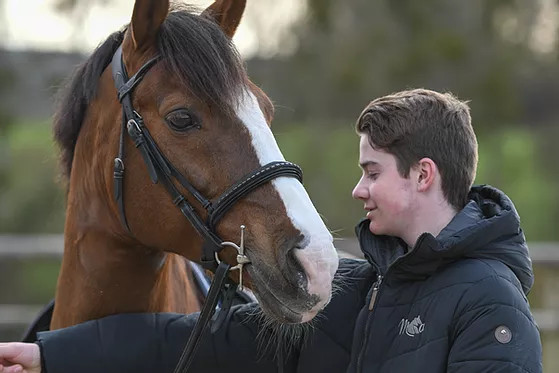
{"points": [[373, 175]]}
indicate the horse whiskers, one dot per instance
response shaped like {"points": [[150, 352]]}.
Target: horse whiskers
{"points": [[277, 339], [335, 232], [338, 283]]}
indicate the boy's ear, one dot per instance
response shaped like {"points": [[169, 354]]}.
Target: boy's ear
{"points": [[426, 173]]}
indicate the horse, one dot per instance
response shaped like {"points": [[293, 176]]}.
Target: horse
{"points": [[212, 124]]}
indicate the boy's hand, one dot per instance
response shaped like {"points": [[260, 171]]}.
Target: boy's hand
{"points": [[18, 357]]}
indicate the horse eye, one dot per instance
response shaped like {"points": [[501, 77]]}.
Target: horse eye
{"points": [[182, 120]]}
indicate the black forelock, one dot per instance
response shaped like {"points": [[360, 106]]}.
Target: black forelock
{"points": [[196, 51]]}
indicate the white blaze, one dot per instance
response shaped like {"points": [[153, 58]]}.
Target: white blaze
{"points": [[319, 258]]}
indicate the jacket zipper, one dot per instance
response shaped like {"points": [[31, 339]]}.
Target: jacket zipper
{"points": [[374, 294], [376, 286]]}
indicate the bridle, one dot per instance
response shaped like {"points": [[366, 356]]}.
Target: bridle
{"points": [[162, 171]]}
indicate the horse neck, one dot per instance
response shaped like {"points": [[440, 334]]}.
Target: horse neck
{"points": [[103, 273]]}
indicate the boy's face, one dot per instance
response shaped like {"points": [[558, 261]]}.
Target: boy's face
{"points": [[389, 199]]}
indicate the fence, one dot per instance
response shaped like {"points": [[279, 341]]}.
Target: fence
{"points": [[18, 250]]}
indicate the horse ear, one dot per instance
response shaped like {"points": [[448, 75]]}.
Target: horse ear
{"points": [[147, 17], [227, 14]]}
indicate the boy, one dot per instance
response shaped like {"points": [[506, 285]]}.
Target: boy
{"points": [[443, 288]]}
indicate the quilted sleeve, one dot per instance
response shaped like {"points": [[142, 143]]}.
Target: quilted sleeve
{"points": [[494, 331], [153, 343]]}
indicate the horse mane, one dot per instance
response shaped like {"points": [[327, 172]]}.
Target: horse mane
{"points": [[194, 49]]}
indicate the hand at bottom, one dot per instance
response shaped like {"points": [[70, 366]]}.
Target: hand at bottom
{"points": [[18, 357]]}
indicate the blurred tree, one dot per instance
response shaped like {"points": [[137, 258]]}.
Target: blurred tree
{"points": [[350, 52], [77, 11], [6, 82], [30, 200], [69, 5]]}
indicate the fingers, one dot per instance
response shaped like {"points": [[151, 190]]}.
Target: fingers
{"points": [[11, 369], [9, 351], [15, 356]]}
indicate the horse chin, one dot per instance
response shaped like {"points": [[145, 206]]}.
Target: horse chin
{"points": [[283, 307]]}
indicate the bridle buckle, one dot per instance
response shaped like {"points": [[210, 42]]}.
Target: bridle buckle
{"points": [[242, 259], [133, 125]]}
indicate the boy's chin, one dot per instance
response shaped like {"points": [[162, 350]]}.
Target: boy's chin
{"points": [[375, 228], [380, 230]]}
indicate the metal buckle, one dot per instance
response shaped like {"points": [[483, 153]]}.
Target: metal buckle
{"points": [[242, 259], [119, 165], [133, 123]]}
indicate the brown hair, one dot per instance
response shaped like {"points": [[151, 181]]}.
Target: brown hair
{"points": [[420, 123]]}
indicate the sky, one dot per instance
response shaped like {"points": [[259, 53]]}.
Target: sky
{"points": [[33, 24]]}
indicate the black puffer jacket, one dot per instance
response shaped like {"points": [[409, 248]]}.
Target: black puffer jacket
{"points": [[454, 303]]}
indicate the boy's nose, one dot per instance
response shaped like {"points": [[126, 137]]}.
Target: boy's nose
{"points": [[359, 191]]}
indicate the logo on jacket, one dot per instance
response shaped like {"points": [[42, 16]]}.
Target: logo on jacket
{"points": [[411, 328]]}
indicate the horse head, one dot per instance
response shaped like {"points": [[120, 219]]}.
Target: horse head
{"points": [[211, 124]]}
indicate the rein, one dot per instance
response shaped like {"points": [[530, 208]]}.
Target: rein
{"points": [[162, 171]]}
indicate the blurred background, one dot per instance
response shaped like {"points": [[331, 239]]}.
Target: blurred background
{"points": [[321, 62]]}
